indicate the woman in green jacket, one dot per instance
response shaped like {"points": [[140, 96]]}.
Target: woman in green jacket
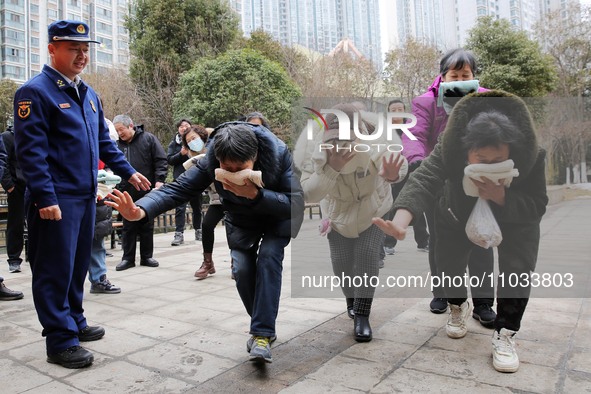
{"points": [[484, 128]]}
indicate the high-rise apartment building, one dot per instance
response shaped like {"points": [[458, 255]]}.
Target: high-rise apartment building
{"points": [[23, 27], [446, 23], [315, 24]]}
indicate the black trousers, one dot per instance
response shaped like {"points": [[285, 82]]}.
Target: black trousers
{"points": [[214, 214], [480, 264], [15, 225], [179, 214], [130, 232], [517, 257], [419, 225]]}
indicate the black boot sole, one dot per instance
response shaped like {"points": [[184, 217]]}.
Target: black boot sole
{"points": [[73, 364]]}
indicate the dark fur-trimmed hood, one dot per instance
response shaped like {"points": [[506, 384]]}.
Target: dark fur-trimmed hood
{"points": [[524, 155], [269, 152]]}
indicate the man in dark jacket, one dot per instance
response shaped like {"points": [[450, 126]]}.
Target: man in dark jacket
{"points": [[144, 152], [13, 183], [177, 155], [5, 293], [259, 220], [486, 129]]}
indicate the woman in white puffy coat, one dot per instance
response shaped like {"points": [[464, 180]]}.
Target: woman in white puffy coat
{"points": [[354, 183]]}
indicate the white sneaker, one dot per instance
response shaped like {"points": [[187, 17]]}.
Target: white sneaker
{"points": [[503, 351], [456, 322]]}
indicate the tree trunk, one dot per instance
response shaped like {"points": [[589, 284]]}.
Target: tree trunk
{"points": [[576, 174]]}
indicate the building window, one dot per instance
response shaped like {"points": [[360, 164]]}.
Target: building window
{"points": [[35, 58], [105, 42], [34, 41], [103, 27], [103, 57], [13, 72], [13, 37], [34, 9], [104, 13]]}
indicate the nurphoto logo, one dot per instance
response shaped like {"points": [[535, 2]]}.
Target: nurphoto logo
{"points": [[384, 127]]}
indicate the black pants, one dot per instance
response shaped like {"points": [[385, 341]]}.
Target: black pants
{"points": [[419, 224], [517, 257], [130, 232], [480, 264], [214, 214], [15, 224], [179, 214]]}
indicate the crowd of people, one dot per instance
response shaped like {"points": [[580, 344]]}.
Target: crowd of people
{"points": [[66, 167]]}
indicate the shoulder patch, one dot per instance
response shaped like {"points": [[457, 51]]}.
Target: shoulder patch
{"points": [[24, 108]]}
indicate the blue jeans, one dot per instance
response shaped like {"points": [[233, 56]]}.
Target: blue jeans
{"points": [[258, 280], [98, 266]]}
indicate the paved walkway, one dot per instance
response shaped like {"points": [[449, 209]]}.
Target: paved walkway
{"points": [[168, 333]]}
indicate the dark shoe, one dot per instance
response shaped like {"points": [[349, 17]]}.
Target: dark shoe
{"points": [[104, 287], [150, 262], [362, 329], [9, 295], [108, 254], [124, 264], [14, 267], [485, 314], [89, 333], [423, 249], [381, 263], [198, 235], [179, 239], [438, 305], [206, 268], [73, 357], [350, 302]]}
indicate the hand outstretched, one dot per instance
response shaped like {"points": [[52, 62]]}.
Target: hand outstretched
{"points": [[124, 204]]}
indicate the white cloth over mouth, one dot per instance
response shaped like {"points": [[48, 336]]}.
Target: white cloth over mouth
{"points": [[495, 172]]}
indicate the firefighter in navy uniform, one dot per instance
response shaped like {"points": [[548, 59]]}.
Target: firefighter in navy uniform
{"points": [[60, 134]]}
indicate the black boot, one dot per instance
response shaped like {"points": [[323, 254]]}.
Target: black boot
{"points": [[362, 328], [350, 302]]}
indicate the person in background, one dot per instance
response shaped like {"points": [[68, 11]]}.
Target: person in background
{"points": [[420, 224], [194, 141], [60, 134], [13, 183], [485, 130], [457, 69], [144, 152], [97, 271], [258, 118], [177, 155], [259, 219], [5, 293]]}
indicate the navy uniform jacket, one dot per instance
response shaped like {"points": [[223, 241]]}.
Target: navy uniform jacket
{"points": [[59, 139]]}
